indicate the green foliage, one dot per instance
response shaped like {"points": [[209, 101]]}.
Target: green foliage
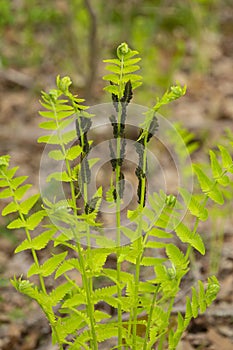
{"points": [[121, 69], [6, 13], [213, 184], [143, 306], [199, 301]]}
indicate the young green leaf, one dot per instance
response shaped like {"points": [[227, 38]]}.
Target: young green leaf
{"points": [[12, 207], [20, 192], [17, 223], [215, 166], [33, 221], [28, 204], [151, 261], [227, 161], [48, 267], [176, 257], [7, 193], [187, 236], [195, 207], [37, 243]]}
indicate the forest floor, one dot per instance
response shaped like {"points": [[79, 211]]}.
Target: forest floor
{"points": [[206, 110]]}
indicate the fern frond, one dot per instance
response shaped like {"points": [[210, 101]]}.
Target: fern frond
{"points": [[48, 267], [106, 331], [227, 161], [187, 236], [156, 232], [215, 165], [66, 326], [100, 315], [34, 220], [205, 182], [17, 223], [176, 257], [193, 205], [200, 300], [151, 261], [81, 340], [37, 243], [27, 288], [212, 290], [121, 69], [10, 208], [101, 293], [59, 293], [175, 92], [130, 234], [76, 300], [208, 186], [54, 139], [66, 266], [112, 275], [28, 204], [21, 191]]}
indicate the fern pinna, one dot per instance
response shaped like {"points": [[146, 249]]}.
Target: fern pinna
{"points": [[144, 307]]}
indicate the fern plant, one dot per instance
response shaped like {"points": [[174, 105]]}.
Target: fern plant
{"points": [[144, 306]]}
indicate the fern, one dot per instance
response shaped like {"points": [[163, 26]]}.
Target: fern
{"points": [[213, 186], [176, 257], [143, 307], [174, 93], [193, 238], [121, 69], [194, 206], [48, 267], [200, 300], [37, 243]]}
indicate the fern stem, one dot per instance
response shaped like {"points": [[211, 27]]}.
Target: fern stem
{"points": [[88, 289], [89, 281], [118, 226], [35, 258], [86, 282], [118, 206], [90, 305], [150, 317], [139, 243]]}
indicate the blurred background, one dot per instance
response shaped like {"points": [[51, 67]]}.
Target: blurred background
{"points": [[189, 41]]}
